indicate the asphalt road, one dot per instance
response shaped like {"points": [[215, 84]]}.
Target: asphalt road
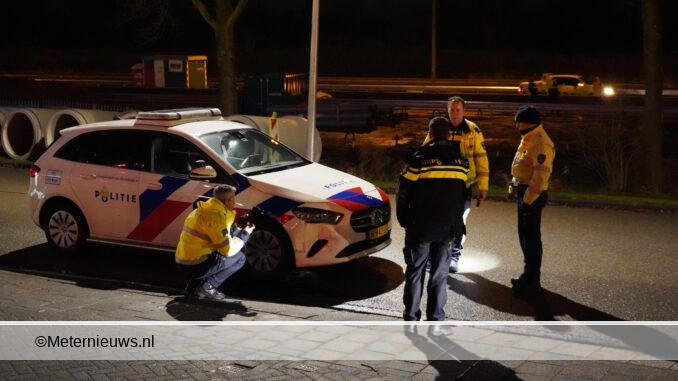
{"points": [[599, 264]]}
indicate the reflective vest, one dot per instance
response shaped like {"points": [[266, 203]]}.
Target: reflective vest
{"points": [[472, 145], [533, 163], [430, 192], [206, 230]]}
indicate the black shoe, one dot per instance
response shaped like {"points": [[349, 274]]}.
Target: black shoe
{"points": [[524, 285], [454, 265], [207, 291]]}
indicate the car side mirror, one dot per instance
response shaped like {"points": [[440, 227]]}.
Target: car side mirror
{"points": [[202, 171]]}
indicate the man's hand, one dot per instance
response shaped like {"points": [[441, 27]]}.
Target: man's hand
{"points": [[482, 194], [511, 193], [249, 228]]}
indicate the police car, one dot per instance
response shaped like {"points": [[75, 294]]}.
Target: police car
{"points": [[133, 182]]}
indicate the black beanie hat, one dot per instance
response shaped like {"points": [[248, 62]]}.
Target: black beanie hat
{"points": [[439, 128], [528, 114]]}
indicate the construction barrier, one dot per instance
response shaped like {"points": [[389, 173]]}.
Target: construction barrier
{"points": [[293, 131]]}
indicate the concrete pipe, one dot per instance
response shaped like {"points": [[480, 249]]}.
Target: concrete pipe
{"points": [[4, 111], [73, 117], [292, 130], [22, 137]]}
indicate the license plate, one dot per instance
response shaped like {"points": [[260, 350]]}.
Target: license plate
{"points": [[378, 232]]}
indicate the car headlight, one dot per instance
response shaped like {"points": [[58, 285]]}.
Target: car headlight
{"points": [[317, 216], [608, 91]]}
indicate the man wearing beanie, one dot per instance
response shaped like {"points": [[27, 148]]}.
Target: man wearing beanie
{"points": [[531, 169]]}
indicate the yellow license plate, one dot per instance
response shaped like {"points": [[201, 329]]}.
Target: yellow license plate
{"points": [[378, 232]]}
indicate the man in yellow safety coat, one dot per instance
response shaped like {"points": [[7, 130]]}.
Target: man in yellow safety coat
{"points": [[210, 247], [472, 145], [531, 169]]}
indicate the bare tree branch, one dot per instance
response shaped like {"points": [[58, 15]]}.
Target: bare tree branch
{"points": [[205, 13]]}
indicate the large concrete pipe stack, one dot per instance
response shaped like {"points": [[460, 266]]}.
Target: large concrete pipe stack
{"points": [[4, 111], [292, 131], [73, 117], [22, 132]]}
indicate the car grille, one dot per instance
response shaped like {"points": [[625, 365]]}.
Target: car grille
{"points": [[367, 219]]}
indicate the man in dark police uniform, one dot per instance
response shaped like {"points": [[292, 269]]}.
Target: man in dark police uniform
{"points": [[430, 206]]}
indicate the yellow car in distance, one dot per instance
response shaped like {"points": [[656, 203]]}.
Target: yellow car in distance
{"points": [[566, 84]]}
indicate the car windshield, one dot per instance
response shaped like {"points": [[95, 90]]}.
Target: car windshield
{"points": [[251, 152]]}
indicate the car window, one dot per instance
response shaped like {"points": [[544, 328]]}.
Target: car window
{"points": [[251, 152], [567, 81], [112, 148], [174, 155], [149, 151]]}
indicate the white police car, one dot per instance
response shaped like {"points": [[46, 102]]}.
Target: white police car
{"points": [[133, 182]]}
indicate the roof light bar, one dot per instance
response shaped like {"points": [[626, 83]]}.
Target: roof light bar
{"points": [[179, 114]]}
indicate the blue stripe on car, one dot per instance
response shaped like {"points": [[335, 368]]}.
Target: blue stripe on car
{"points": [[361, 198], [151, 198]]}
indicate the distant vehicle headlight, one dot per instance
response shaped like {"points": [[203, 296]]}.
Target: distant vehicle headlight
{"points": [[608, 91], [317, 216]]}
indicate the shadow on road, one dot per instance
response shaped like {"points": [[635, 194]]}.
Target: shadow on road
{"points": [[454, 362], [111, 267], [544, 306], [192, 309], [547, 306]]}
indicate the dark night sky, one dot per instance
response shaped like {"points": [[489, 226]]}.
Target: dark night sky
{"points": [[550, 26], [610, 25]]}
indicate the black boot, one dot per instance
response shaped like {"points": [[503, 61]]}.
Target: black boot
{"points": [[525, 285], [207, 291]]}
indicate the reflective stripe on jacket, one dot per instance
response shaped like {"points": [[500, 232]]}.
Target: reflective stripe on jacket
{"points": [[472, 146], [430, 190], [206, 229]]}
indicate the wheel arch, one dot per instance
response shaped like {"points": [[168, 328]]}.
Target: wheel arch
{"points": [[273, 226], [47, 205]]}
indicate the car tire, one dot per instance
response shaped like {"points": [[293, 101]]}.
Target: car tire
{"points": [[65, 227], [268, 251]]}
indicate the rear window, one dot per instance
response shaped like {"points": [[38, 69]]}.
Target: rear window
{"points": [[120, 149]]}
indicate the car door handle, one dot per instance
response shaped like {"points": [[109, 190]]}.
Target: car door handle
{"points": [[154, 186], [88, 176]]}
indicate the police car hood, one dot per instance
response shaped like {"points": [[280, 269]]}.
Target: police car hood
{"points": [[318, 183]]}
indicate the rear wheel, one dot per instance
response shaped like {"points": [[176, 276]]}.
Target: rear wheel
{"points": [[268, 251], [65, 227]]}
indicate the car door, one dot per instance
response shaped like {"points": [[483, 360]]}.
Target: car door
{"points": [[166, 192], [105, 180]]}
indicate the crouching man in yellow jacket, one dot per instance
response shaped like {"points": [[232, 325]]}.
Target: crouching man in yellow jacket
{"points": [[210, 248]]}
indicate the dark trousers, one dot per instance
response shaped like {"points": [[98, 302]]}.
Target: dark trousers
{"points": [[215, 270], [529, 233], [417, 252]]}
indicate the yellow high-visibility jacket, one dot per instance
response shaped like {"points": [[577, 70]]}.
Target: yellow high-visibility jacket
{"points": [[533, 163], [206, 230]]}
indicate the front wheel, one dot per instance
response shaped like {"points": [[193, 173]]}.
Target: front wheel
{"points": [[65, 227], [268, 251]]}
